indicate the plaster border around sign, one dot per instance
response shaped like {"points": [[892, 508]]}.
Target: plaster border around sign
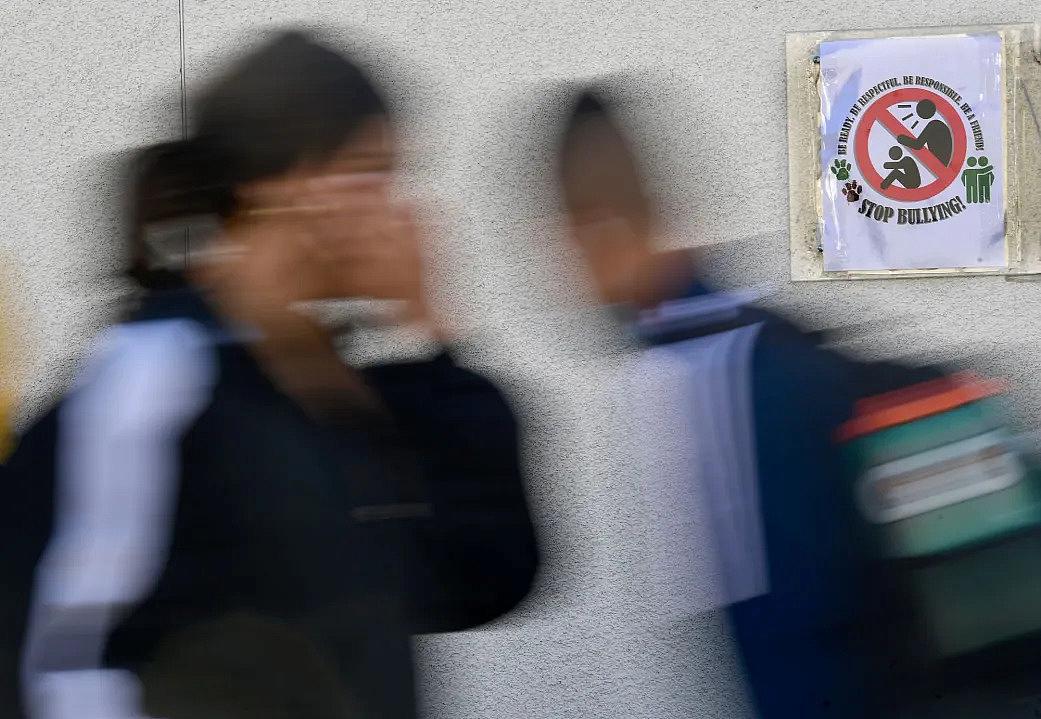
{"points": [[1021, 47]]}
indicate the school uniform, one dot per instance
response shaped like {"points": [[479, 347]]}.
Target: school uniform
{"points": [[176, 509], [762, 401]]}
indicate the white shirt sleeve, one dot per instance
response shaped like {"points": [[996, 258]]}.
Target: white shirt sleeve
{"points": [[117, 471]]}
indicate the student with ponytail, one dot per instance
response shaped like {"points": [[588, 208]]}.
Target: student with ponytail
{"points": [[222, 518]]}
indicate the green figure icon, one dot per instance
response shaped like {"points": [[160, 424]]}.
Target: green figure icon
{"points": [[978, 179], [968, 178]]}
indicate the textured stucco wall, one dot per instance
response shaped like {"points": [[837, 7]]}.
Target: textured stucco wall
{"points": [[85, 79]]}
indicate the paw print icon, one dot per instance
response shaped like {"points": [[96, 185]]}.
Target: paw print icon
{"points": [[841, 170], [852, 190]]}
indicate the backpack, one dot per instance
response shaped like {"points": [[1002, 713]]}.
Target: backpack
{"points": [[951, 507]]}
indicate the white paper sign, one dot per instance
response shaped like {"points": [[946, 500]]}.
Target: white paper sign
{"points": [[912, 155]]}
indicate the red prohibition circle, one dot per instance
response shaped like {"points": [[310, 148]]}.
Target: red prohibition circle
{"points": [[945, 176]]}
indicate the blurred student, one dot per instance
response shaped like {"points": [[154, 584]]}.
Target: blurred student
{"points": [[221, 517], [761, 403]]}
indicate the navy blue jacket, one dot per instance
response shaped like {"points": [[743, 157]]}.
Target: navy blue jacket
{"points": [[176, 485], [805, 627]]}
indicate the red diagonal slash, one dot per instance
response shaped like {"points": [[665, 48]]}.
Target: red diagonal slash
{"points": [[879, 111], [924, 155]]}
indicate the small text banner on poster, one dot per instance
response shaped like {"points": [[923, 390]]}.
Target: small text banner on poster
{"points": [[912, 153]]}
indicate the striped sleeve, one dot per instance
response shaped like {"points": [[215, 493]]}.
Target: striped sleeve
{"points": [[117, 471], [724, 431]]}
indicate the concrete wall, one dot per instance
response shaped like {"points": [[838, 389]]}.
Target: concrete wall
{"points": [[85, 79]]}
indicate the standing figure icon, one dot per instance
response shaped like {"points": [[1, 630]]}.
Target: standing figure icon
{"points": [[978, 178], [936, 137]]}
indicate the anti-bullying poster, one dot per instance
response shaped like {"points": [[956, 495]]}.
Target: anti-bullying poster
{"points": [[912, 157]]}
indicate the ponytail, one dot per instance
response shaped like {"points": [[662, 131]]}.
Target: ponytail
{"points": [[171, 184]]}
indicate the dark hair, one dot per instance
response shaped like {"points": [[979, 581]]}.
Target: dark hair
{"points": [[627, 189], [588, 104], [289, 101]]}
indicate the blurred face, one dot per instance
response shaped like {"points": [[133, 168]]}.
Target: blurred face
{"points": [[606, 208], [332, 229]]}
